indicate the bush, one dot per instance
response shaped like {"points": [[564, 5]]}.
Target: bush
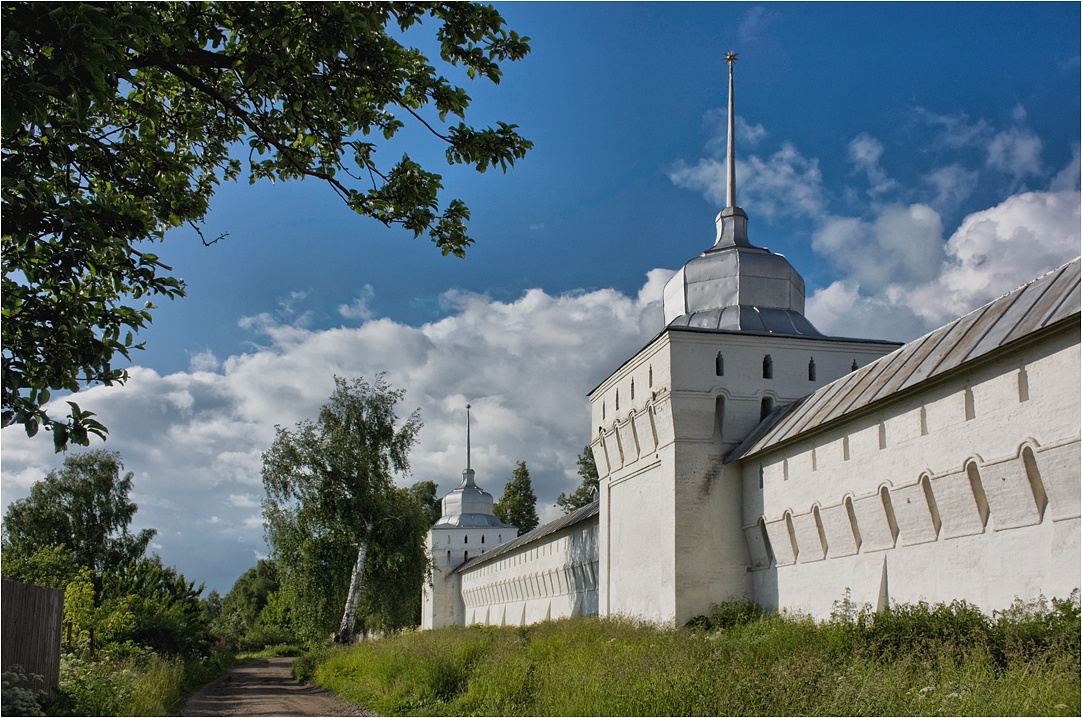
{"points": [[924, 630], [726, 615], [22, 695], [139, 683], [1027, 629]]}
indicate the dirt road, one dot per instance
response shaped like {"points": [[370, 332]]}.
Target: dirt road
{"points": [[265, 687]]}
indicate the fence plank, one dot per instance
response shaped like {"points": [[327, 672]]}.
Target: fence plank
{"points": [[31, 631]]}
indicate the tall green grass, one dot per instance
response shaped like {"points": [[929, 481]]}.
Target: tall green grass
{"points": [[912, 660]]}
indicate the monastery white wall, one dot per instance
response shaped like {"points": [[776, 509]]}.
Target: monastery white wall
{"points": [[555, 576], [671, 524], [967, 488]]}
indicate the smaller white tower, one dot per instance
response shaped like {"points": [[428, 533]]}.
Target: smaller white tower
{"points": [[468, 527]]}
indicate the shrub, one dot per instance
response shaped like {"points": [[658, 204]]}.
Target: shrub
{"points": [[1029, 628], [22, 695], [925, 629], [733, 613], [139, 682], [727, 614]]}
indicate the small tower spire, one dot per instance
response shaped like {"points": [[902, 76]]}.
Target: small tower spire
{"points": [[468, 474], [730, 157]]}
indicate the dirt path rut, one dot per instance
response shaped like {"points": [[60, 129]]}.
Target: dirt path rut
{"points": [[265, 687]]}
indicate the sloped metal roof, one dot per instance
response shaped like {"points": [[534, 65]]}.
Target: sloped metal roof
{"points": [[576, 516], [1047, 300]]}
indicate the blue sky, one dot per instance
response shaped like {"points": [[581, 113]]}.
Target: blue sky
{"points": [[912, 161]]}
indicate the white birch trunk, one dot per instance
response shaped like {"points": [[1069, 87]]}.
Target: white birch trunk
{"points": [[349, 615]]}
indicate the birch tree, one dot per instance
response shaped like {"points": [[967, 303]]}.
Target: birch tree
{"points": [[332, 505]]}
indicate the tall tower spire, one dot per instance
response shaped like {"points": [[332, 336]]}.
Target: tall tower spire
{"points": [[732, 222], [467, 437], [730, 156]]}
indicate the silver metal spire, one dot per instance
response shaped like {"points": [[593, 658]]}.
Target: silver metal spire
{"points": [[731, 222], [730, 195], [467, 437]]}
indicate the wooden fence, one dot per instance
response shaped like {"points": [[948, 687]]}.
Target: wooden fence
{"points": [[32, 618]]}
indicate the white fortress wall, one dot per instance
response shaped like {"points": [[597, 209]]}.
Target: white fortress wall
{"points": [[554, 576], [635, 549], [967, 488]]}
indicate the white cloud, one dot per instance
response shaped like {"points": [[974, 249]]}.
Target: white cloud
{"points": [[892, 284], [952, 184], [784, 184], [716, 123], [195, 439], [864, 154], [359, 308], [1016, 152], [998, 249], [901, 245], [244, 501], [203, 361], [956, 131], [1068, 177]]}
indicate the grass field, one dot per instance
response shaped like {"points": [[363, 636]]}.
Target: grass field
{"points": [[911, 660]]}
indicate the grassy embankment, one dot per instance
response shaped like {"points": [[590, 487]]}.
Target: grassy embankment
{"points": [[912, 660]]}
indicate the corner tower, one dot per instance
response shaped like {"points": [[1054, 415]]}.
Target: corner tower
{"points": [[735, 345], [468, 527]]}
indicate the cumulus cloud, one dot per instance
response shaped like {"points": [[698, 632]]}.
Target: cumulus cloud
{"points": [[203, 361], [1068, 177], [992, 252], [998, 249], [194, 439], [1016, 152], [360, 307], [952, 185], [864, 154], [784, 184], [901, 245]]}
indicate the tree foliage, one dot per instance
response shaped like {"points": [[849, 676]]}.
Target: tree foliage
{"points": [[84, 508], [330, 488], [120, 120], [518, 505], [72, 533], [586, 493], [147, 604], [424, 493], [240, 611]]}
